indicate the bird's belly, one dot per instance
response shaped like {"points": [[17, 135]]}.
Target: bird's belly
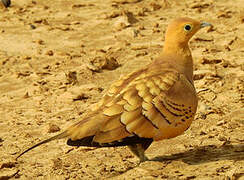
{"points": [[173, 130]]}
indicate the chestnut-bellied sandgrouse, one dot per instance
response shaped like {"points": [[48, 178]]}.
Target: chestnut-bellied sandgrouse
{"points": [[153, 103]]}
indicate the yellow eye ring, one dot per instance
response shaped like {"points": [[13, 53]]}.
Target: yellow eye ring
{"points": [[187, 27]]}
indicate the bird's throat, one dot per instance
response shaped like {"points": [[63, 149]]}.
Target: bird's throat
{"points": [[180, 57]]}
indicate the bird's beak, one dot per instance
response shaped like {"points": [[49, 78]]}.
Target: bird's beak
{"points": [[204, 24]]}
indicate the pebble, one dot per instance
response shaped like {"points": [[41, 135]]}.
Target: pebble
{"points": [[53, 128]]}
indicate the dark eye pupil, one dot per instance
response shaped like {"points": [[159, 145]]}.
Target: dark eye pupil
{"points": [[187, 27]]}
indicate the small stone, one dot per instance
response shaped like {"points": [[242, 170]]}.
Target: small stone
{"points": [[211, 136], [98, 63], [155, 6], [32, 26], [141, 27], [27, 57], [220, 123], [130, 17], [113, 14], [142, 11], [57, 163], [203, 133], [210, 61], [190, 177], [222, 138], [53, 128], [199, 5], [200, 74], [71, 77], [26, 95], [111, 63], [38, 21], [224, 14], [81, 97], [202, 37], [39, 41], [49, 53], [121, 23]]}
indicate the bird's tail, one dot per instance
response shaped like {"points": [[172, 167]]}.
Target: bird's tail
{"points": [[59, 136], [86, 127]]}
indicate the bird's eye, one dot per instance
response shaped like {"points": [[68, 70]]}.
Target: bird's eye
{"points": [[187, 27]]}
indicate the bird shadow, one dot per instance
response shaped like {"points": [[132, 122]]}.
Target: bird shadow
{"points": [[200, 155], [205, 154]]}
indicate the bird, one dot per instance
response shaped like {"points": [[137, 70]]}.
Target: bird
{"points": [[156, 102], [6, 3]]}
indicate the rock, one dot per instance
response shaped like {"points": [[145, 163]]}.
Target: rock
{"points": [[203, 133], [49, 53], [199, 5], [200, 74], [102, 62], [124, 21], [224, 14], [78, 94], [220, 123], [203, 109], [71, 77], [130, 17], [111, 63], [96, 63], [53, 128], [39, 41], [222, 138], [155, 6], [81, 97], [57, 163], [210, 61], [203, 37], [112, 14], [121, 23]]}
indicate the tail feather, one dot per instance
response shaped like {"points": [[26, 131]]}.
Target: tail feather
{"points": [[59, 136], [81, 129]]}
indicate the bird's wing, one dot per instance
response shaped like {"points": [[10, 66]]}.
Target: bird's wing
{"points": [[141, 106], [117, 87]]}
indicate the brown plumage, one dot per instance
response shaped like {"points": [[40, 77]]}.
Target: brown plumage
{"points": [[154, 103]]}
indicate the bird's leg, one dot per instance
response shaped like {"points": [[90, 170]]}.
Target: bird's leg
{"points": [[6, 3], [139, 150]]}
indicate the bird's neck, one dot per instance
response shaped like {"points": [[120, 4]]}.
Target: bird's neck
{"points": [[179, 56]]}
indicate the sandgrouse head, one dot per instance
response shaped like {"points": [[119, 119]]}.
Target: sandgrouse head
{"points": [[180, 31]]}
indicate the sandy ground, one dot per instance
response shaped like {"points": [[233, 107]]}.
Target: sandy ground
{"points": [[57, 58]]}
